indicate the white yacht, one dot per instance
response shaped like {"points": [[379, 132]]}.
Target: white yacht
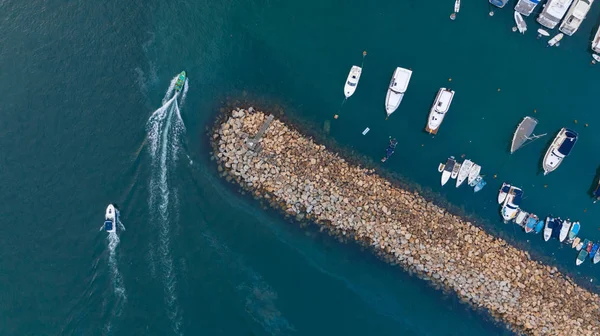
{"points": [[521, 25], [475, 170], [526, 7], [447, 170], [352, 81], [438, 110], [596, 41], [463, 173], [396, 90], [110, 223], [510, 208], [553, 12], [575, 16], [564, 230], [559, 149]]}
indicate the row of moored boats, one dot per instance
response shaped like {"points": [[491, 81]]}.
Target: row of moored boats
{"points": [[468, 171]]}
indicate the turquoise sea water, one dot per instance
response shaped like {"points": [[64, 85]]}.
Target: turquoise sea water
{"points": [[81, 86]]}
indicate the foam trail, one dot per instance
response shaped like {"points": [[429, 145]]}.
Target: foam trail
{"points": [[117, 279], [185, 90], [169, 90]]}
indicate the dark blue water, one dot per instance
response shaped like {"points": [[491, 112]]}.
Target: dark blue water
{"points": [[87, 121]]}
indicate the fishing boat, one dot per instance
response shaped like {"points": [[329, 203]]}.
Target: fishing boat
{"points": [[448, 168], [530, 223], [559, 149], [511, 204], [582, 244], [520, 219], [576, 242], [499, 3], [564, 230], [390, 150], [180, 81], [548, 228], [474, 173], [542, 32], [553, 12], [596, 258], [110, 219], [503, 192], [521, 25], [523, 133], [352, 81], [554, 41], [396, 90], [463, 173], [526, 7], [480, 184], [441, 104], [593, 250], [539, 226], [596, 41], [574, 231], [456, 6], [581, 256], [575, 16], [455, 170]]}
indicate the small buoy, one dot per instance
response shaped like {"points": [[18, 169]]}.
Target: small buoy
{"points": [[498, 89], [534, 111], [514, 29], [495, 175], [449, 79], [575, 121], [422, 145], [335, 116], [491, 13], [586, 125], [463, 156], [545, 186], [365, 53], [452, 16]]}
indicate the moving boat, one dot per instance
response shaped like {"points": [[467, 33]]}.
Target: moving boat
{"points": [[594, 251], [480, 184], [553, 12], [352, 81], [548, 228], [530, 223], [574, 231], [110, 223], [554, 41], [499, 3], [180, 82], [575, 16], [463, 173], [396, 90], [456, 6], [576, 242], [596, 41], [503, 192], [520, 220], [521, 25], [448, 168], [539, 226], [582, 245], [523, 133], [474, 173], [511, 204], [526, 7], [559, 149], [564, 231], [441, 104], [455, 170], [581, 256]]}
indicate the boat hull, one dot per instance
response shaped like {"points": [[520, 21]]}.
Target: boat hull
{"points": [[564, 231], [503, 193], [521, 25], [463, 173], [180, 81], [575, 16], [396, 90], [581, 257], [352, 81], [438, 111], [554, 157], [553, 12]]}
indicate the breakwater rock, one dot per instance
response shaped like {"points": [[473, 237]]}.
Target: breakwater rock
{"points": [[307, 181]]}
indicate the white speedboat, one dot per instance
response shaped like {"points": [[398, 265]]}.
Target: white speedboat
{"points": [[441, 104], [553, 12], [596, 41], [396, 90], [503, 192], [564, 230], [520, 220], [475, 170], [554, 41], [548, 228], [463, 173], [352, 80], [521, 25], [559, 149], [526, 7], [456, 6], [575, 16], [455, 170], [110, 223], [510, 208], [447, 170]]}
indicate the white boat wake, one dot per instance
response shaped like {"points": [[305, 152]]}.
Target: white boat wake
{"points": [[116, 278], [165, 129]]}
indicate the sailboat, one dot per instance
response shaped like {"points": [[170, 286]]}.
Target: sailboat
{"points": [[524, 133]]}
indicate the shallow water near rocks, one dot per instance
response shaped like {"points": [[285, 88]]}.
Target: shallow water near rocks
{"points": [[82, 80]]}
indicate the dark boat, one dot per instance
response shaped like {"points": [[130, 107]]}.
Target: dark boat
{"points": [[390, 150], [594, 250]]}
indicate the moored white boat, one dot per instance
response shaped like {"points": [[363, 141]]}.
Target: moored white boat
{"points": [[581, 256], [441, 104], [521, 25], [526, 7], [523, 133], [596, 41], [596, 57], [503, 192], [456, 6], [475, 170], [559, 149], [511, 204], [530, 223], [548, 228], [463, 173], [110, 223], [447, 170], [575, 16], [543, 32], [596, 258], [520, 219], [352, 81], [396, 90], [564, 230], [553, 12], [554, 41]]}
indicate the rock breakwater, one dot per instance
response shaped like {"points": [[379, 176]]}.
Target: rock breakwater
{"points": [[304, 179]]}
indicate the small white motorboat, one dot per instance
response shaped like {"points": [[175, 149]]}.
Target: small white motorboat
{"points": [[447, 170], [576, 242], [475, 170], [520, 220], [560, 148], [110, 223], [554, 41], [521, 25], [456, 6], [396, 90], [352, 81], [596, 57], [511, 204], [441, 104], [596, 258], [564, 230], [455, 170], [543, 32], [463, 173], [503, 192], [548, 228]]}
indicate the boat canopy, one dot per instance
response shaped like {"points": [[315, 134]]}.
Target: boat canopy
{"points": [[558, 8], [108, 225], [567, 145], [518, 196]]}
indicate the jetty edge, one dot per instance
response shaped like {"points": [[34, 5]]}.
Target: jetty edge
{"points": [[305, 180]]}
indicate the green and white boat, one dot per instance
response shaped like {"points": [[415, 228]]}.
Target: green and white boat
{"points": [[180, 82]]}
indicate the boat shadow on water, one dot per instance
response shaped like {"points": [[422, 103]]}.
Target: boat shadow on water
{"points": [[595, 183]]}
